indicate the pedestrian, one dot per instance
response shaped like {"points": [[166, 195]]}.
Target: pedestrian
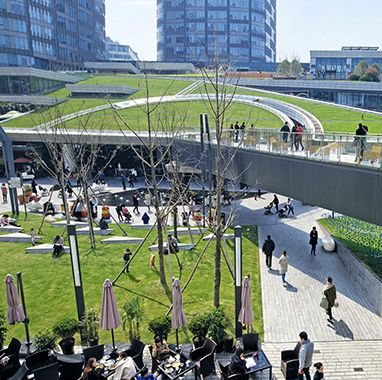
{"points": [[94, 207], [242, 130], [130, 180], [319, 374], [152, 261], [69, 189], [300, 131], [293, 138], [290, 206], [123, 180], [284, 266], [185, 217], [4, 192], [359, 142], [237, 128], [34, 187], [148, 200], [276, 202], [285, 132], [232, 132], [33, 236], [268, 248], [118, 210], [145, 218], [305, 356], [330, 293], [126, 259], [313, 240], [136, 204]]}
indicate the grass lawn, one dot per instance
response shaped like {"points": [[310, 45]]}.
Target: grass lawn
{"points": [[49, 286], [365, 246], [186, 114]]}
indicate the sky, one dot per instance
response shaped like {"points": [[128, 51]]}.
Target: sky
{"points": [[302, 25]]}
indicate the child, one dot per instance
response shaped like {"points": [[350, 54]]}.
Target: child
{"points": [[4, 192], [319, 374], [33, 236], [152, 261]]}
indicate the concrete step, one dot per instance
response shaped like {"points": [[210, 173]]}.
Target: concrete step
{"points": [[62, 223], [185, 231], [122, 240], [181, 246], [44, 248], [17, 237], [225, 237], [97, 231], [10, 229], [141, 226]]}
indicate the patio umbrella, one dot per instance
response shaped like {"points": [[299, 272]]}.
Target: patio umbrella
{"points": [[15, 310], [178, 318], [110, 318], [246, 314]]}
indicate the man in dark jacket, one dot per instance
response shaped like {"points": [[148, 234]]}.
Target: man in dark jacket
{"points": [[237, 365], [268, 248], [276, 203], [285, 131]]}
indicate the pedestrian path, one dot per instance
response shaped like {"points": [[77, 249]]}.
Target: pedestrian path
{"points": [[353, 341]]}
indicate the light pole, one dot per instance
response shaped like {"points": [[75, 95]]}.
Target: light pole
{"points": [[76, 269], [238, 276]]}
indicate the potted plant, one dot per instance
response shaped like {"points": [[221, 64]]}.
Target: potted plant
{"points": [[160, 326], [3, 329], [65, 329], [90, 324], [228, 343], [45, 339], [132, 317], [218, 321], [199, 327]]}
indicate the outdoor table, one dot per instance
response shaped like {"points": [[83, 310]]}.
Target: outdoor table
{"points": [[104, 366], [258, 362], [176, 367]]}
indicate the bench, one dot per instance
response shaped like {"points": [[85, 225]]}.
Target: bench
{"points": [[17, 237], [10, 229], [225, 237], [96, 230], [185, 231], [63, 223], [122, 240], [44, 248], [181, 247]]}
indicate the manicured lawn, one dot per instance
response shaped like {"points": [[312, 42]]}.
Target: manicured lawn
{"points": [[361, 238], [49, 286], [183, 114]]}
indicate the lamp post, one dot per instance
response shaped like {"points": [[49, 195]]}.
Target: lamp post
{"points": [[203, 123], [238, 276], [76, 269]]}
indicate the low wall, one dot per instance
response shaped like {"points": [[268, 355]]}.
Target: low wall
{"points": [[367, 282]]}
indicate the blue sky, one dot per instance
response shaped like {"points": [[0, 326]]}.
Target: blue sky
{"points": [[302, 25]]}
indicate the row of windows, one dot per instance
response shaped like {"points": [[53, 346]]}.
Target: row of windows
{"points": [[42, 32], [14, 42], [13, 24], [42, 48], [258, 4], [40, 14], [14, 6]]}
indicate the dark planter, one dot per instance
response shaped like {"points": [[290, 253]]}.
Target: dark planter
{"points": [[228, 345], [93, 342], [220, 347], [197, 341], [67, 346]]}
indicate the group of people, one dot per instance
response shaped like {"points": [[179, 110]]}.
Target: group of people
{"points": [[294, 135], [6, 220], [282, 212], [237, 131]]}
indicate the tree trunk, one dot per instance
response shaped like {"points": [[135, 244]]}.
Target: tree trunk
{"points": [[89, 216]]}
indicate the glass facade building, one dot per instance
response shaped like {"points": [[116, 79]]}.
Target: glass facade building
{"points": [[117, 52], [237, 32], [51, 34]]}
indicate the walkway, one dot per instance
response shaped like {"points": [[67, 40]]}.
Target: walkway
{"points": [[289, 310]]}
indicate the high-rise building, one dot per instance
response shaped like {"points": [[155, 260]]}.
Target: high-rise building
{"points": [[51, 34], [237, 32], [118, 52]]}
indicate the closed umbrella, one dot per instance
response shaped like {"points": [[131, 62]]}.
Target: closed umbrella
{"points": [[178, 318], [110, 318], [15, 310], [246, 314]]}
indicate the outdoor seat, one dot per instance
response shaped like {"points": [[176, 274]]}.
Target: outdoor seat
{"points": [[49, 372], [39, 359], [93, 352], [224, 373], [70, 366], [13, 352], [289, 363], [21, 374], [203, 357], [250, 343], [136, 352]]}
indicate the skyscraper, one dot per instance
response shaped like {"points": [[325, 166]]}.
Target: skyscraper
{"points": [[51, 34], [237, 32]]}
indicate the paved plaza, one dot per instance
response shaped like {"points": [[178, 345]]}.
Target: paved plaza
{"points": [[351, 348]]}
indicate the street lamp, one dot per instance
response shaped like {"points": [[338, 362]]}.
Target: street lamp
{"points": [[238, 276]]}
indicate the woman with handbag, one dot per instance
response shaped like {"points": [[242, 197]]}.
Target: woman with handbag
{"points": [[330, 294]]}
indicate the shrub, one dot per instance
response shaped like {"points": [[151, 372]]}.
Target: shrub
{"points": [[3, 328], [132, 316], [199, 325], [66, 328], [90, 323], [45, 340], [160, 326], [218, 321]]}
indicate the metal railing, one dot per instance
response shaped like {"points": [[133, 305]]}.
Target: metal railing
{"points": [[365, 151]]}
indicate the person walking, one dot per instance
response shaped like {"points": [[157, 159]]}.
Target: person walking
{"points": [[319, 374], [33, 236], [268, 248], [237, 128], [4, 192], [305, 356], [330, 293], [276, 202], [300, 131], [313, 240], [359, 142], [148, 200], [126, 259], [136, 204], [123, 181], [285, 130], [293, 138], [290, 207], [242, 131], [283, 266]]}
